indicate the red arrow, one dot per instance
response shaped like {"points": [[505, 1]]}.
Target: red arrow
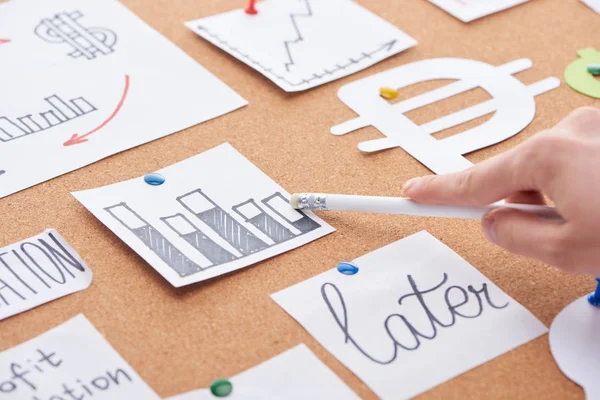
{"points": [[77, 139], [2, 41]]}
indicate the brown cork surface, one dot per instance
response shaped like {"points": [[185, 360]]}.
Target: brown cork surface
{"points": [[181, 339]]}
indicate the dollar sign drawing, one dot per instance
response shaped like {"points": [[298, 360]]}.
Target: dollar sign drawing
{"points": [[512, 101], [86, 42], [578, 77]]}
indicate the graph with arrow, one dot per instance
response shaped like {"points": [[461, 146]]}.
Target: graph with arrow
{"points": [[300, 44]]}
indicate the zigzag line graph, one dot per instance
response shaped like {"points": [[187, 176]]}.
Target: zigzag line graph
{"points": [[388, 46], [299, 38]]}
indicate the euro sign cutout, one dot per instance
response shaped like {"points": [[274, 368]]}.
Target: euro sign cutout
{"points": [[512, 102], [85, 42], [578, 77]]}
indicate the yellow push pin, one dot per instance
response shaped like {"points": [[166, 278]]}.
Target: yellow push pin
{"points": [[387, 92]]}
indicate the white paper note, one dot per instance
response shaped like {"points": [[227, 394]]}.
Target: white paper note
{"points": [[38, 270], [300, 44], [512, 106], [574, 344], [593, 4], [415, 315], [71, 361], [469, 10], [84, 79], [215, 213], [296, 374]]}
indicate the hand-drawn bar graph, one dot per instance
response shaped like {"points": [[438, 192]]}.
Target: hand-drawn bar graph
{"points": [[220, 223], [59, 113], [152, 238], [268, 225], [194, 236]]}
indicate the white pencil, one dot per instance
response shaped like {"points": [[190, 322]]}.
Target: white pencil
{"points": [[398, 205]]}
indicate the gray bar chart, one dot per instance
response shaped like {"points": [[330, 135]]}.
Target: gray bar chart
{"points": [[216, 233], [60, 112]]}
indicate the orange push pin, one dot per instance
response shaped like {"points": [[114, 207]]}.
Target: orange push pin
{"points": [[251, 9]]}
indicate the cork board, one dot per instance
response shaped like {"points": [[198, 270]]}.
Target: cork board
{"points": [[181, 339]]}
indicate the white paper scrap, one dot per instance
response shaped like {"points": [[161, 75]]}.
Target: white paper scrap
{"points": [[512, 106], [84, 79], [37, 270], [300, 44], [71, 361], [469, 10], [415, 315], [296, 374], [593, 4], [215, 213], [574, 344]]}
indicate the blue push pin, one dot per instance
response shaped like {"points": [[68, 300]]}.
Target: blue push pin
{"points": [[347, 268], [154, 179], [594, 298]]}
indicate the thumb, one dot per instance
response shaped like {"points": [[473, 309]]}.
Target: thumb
{"points": [[526, 234]]}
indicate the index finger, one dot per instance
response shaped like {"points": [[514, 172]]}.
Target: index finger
{"points": [[527, 167]]}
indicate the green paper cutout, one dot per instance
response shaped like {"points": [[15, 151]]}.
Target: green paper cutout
{"points": [[578, 77]]}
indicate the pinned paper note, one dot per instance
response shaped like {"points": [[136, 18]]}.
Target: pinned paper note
{"points": [[215, 213], [300, 44], [71, 361], [512, 103], [579, 78], [574, 344], [84, 80], [38, 270], [413, 316], [296, 374], [593, 4], [469, 10]]}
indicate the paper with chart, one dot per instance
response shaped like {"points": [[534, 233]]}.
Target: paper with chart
{"points": [[296, 374], [469, 10], [593, 4], [300, 44], [84, 79], [71, 361], [37, 270], [215, 213], [415, 315], [512, 106], [574, 344]]}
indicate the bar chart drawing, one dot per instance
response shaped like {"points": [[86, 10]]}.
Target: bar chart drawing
{"points": [[60, 111], [194, 236], [265, 223], [221, 222], [216, 213], [153, 239], [275, 219]]}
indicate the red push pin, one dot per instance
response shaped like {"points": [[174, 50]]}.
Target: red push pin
{"points": [[2, 41], [251, 9]]}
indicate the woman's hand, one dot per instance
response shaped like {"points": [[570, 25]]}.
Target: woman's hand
{"points": [[562, 163]]}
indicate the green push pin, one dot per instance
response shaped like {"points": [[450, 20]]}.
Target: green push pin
{"points": [[579, 76], [221, 388], [594, 69]]}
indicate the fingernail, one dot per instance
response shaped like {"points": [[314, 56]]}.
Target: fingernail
{"points": [[410, 185], [489, 228]]}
